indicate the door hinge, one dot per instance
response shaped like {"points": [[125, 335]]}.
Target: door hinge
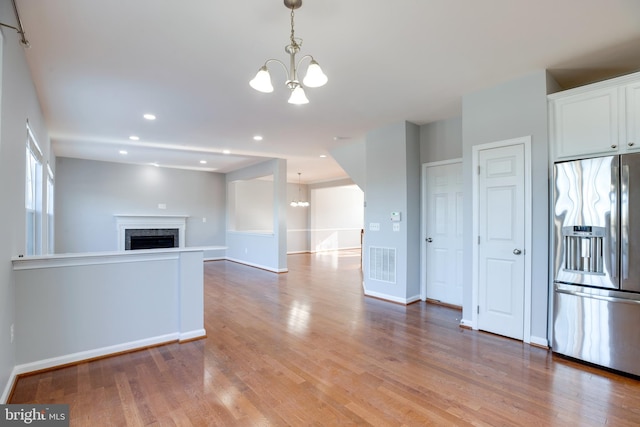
{"points": [[478, 169], [478, 309], [478, 239]]}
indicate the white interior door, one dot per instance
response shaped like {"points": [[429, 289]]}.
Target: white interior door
{"points": [[444, 233], [501, 239]]}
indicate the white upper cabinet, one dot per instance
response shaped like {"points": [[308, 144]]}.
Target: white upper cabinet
{"points": [[598, 119], [632, 96]]}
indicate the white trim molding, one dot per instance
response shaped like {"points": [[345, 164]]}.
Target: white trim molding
{"points": [[466, 323], [192, 335], [125, 222], [260, 266], [540, 342], [391, 298], [94, 353]]}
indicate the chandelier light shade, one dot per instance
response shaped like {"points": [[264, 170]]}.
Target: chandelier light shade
{"points": [[299, 202], [298, 96], [262, 81], [313, 78]]}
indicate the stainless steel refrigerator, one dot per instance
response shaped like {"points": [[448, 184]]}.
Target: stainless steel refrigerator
{"points": [[597, 261]]}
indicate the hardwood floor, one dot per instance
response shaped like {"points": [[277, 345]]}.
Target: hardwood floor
{"points": [[306, 348]]}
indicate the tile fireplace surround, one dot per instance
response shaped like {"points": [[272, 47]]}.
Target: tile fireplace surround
{"points": [[128, 222]]}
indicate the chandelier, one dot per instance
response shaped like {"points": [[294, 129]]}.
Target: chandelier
{"points": [[299, 203], [314, 77]]}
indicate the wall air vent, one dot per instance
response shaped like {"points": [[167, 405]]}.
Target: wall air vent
{"points": [[382, 264]]}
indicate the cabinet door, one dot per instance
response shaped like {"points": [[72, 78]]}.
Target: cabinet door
{"points": [[632, 96], [586, 123]]}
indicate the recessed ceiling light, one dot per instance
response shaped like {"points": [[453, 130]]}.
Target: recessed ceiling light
{"points": [[155, 164], [226, 151], [134, 138], [203, 162], [123, 152], [323, 155], [149, 116], [257, 138]]}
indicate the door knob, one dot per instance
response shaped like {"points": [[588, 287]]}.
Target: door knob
{"points": [[429, 240], [517, 251]]}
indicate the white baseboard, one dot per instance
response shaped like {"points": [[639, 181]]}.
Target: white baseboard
{"points": [[466, 323], [8, 387], [92, 354], [540, 342], [192, 335], [413, 299], [346, 248], [262, 267], [309, 251], [391, 298], [217, 258]]}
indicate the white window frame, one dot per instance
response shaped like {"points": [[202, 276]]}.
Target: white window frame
{"points": [[33, 195], [50, 209]]}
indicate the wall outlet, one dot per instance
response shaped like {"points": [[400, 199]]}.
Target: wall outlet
{"points": [[204, 219], [11, 330], [162, 206], [374, 226]]}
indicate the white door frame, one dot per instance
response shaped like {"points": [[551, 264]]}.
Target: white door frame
{"points": [[423, 223], [526, 141]]}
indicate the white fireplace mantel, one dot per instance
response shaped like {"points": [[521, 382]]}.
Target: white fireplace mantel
{"points": [[126, 222]]}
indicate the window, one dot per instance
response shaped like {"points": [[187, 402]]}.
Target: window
{"points": [[50, 227], [33, 196]]}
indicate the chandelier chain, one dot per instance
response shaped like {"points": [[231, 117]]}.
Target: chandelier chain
{"points": [[294, 44]]}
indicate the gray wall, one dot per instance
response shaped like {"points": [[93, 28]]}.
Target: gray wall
{"points": [[250, 205], [441, 140], [412, 218], [268, 251], [19, 103], [393, 184], [89, 193], [510, 110], [352, 158]]}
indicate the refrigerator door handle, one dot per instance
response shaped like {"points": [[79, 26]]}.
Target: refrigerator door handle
{"points": [[615, 211], [624, 221], [598, 297]]}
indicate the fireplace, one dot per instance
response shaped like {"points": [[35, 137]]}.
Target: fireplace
{"points": [[150, 231], [151, 238]]}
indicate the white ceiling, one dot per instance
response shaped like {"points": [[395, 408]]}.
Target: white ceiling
{"points": [[99, 65]]}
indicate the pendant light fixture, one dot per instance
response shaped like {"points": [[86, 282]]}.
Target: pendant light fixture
{"points": [[314, 77], [299, 203], [19, 28]]}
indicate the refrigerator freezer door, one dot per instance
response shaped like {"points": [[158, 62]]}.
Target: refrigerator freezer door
{"points": [[597, 325], [630, 222], [586, 222]]}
